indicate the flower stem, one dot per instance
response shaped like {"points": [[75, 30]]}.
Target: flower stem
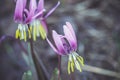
{"points": [[36, 63], [72, 76], [59, 66]]}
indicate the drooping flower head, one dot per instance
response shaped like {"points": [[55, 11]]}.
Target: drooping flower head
{"points": [[67, 45], [34, 17], [19, 17]]}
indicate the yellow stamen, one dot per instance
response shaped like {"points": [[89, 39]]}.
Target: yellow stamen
{"points": [[75, 61], [29, 34], [42, 32], [72, 66], [31, 28], [17, 34], [21, 35], [77, 65], [80, 59], [25, 38], [34, 33], [69, 71]]}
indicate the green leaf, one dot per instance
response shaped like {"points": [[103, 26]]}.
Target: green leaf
{"points": [[55, 74], [27, 75]]}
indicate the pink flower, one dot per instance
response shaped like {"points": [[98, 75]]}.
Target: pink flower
{"points": [[34, 16], [67, 45], [35, 11]]}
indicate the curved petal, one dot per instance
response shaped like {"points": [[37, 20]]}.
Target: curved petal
{"points": [[69, 36], [53, 9], [51, 45], [71, 29], [33, 5], [24, 3], [32, 8], [29, 18], [18, 15], [40, 5], [58, 42], [38, 14]]}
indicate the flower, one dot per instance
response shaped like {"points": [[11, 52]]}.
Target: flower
{"points": [[67, 45], [39, 22], [31, 21], [19, 17]]}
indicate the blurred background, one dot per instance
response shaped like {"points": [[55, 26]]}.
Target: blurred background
{"points": [[97, 27]]}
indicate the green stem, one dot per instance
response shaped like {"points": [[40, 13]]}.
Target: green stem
{"points": [[31, 63], [35, 64]]}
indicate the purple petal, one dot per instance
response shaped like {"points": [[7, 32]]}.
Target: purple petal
{"points": [[58, 42], [39, 14], [40, 5], [51, 45], [69, 36], [71, 29], [18, 15], [24, 3], [26, 11], [32, 6], [29, 18], [53, 9]]}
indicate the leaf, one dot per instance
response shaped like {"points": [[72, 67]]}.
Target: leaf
{"points": [[27, 75], [55, 74]]}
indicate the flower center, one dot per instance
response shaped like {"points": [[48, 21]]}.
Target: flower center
{"points": [[75, 61], [67, 46]]}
